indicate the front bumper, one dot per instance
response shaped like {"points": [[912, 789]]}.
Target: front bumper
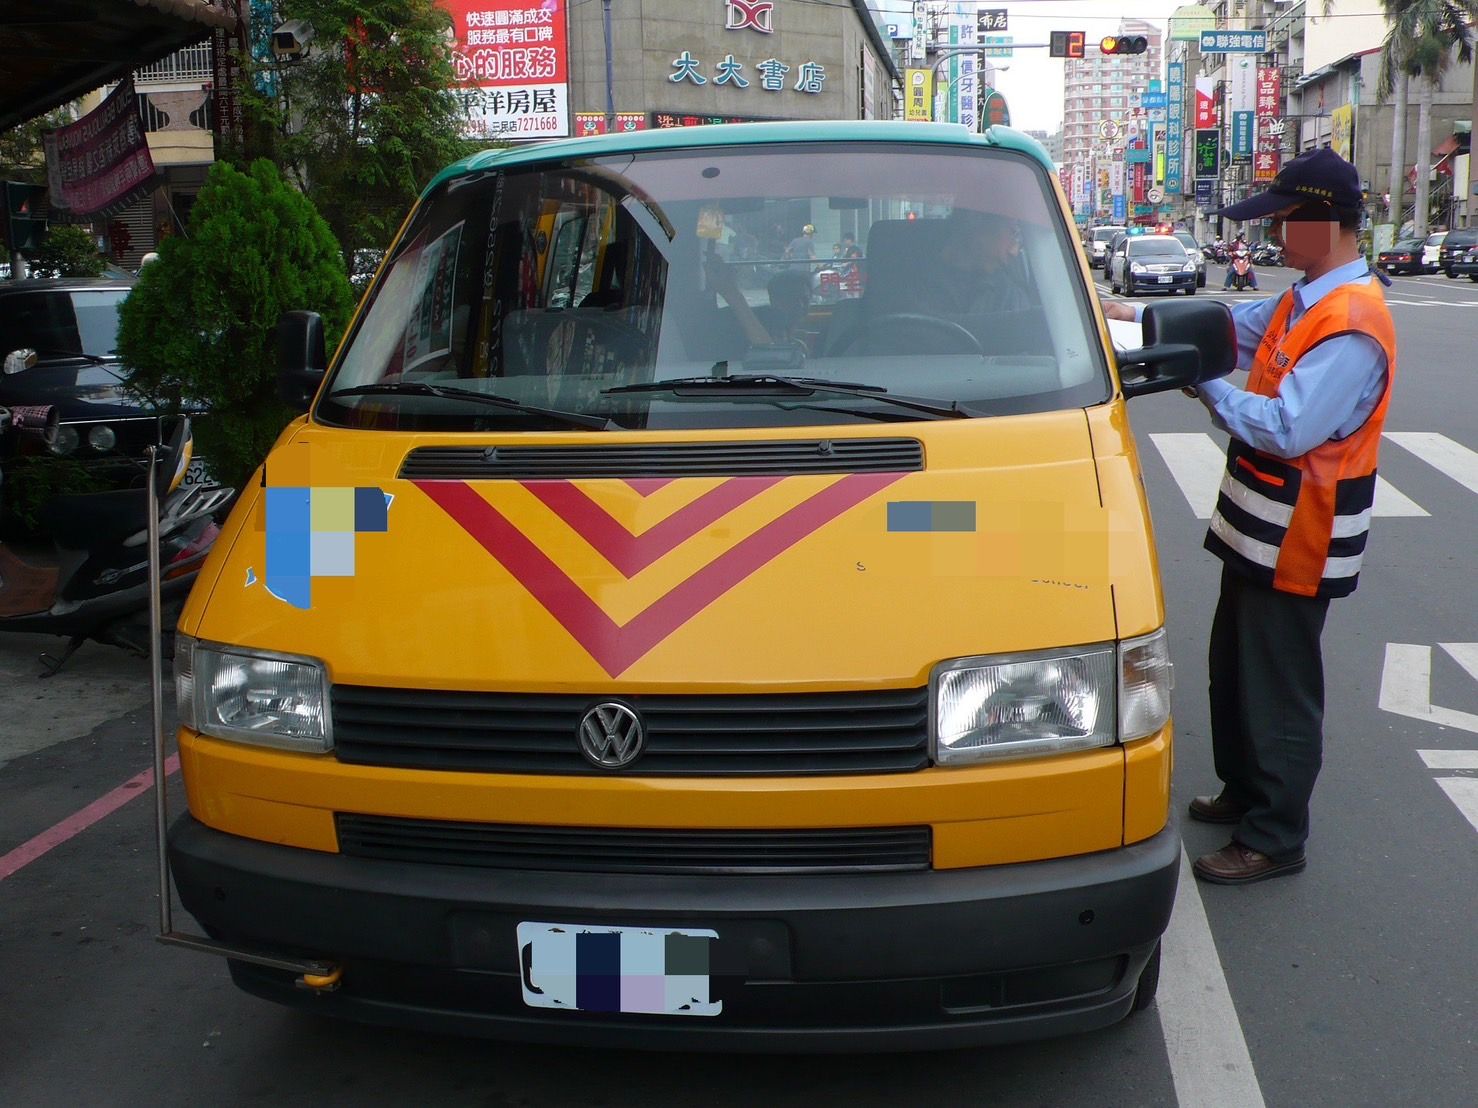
{"points": [[1150, 282], [889, 961]]}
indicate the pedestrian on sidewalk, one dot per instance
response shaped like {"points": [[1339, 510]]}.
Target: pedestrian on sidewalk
{"points": [[1293, 513]]}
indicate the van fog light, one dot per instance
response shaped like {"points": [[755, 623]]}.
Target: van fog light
{"points": [[1022, 705], [260, 698]]}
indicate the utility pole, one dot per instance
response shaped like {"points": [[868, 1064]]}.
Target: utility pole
{"points": [[610, 72]]}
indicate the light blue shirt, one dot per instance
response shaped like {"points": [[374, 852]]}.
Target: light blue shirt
{"points": [[1330, 392]]}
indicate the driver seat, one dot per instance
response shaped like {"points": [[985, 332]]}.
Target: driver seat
{"points": [[899, 254]]}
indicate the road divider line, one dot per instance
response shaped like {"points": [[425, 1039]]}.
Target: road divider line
{"points": [[79, 821], [1209, 1063]]}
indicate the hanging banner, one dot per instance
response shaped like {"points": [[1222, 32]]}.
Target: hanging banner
{"points": [[1205, 102], [1174, 128], [99, 165], [512, 61]]}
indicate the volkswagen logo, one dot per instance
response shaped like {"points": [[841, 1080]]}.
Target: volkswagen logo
{"points": [[611, 736]]}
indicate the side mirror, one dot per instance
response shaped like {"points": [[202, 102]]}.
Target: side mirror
{"points": [[18, 361], [301, 358], [1185, 342]]}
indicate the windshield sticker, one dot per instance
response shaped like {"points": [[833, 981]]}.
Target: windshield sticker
{"points": [[429, 333], [310, 532], [617, 647], [931, 515]]}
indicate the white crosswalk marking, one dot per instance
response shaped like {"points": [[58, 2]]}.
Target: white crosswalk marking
{"points": [[1196, 462], [1442, 454]]}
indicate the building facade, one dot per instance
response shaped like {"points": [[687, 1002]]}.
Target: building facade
{"points": [[686, 62]]}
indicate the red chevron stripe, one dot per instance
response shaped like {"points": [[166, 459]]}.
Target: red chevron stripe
{"points": [[616, 648], [646, 486], [633, 553]]}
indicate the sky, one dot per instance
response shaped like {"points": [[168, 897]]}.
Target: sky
{"points": [[1031, 81]]}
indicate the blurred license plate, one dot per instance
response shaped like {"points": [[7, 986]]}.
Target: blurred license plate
{"points": [[1166, 279], [650, 970], [197, 474]]}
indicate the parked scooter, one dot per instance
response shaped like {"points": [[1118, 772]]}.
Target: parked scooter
{"points": [[1241, 269], [1267, 253], [90, 581]]}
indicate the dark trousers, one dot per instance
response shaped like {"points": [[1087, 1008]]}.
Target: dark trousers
{"points": [[1267, 710]]}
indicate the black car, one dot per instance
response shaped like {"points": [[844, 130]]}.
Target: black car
{"points": [[1402, 257], [1150, 263], [1467, 263], [1454, 248], [58, 342]]}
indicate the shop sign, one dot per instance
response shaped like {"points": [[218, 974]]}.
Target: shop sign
{"points": [[742, 16], [1208, 155], [1205, 102], [772, 74], [664, 120], [1174, 127], [920, 85], [511, 60], [1234, 42], [594, 123]]}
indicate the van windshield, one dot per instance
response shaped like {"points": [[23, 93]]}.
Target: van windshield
{"points": [[941, 274]]}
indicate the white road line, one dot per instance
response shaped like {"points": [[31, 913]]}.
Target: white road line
{"points": [[1406, 685], [1196, 463], [1450, 759], [1442, 454], [1208, 1055], [1463, 791]]}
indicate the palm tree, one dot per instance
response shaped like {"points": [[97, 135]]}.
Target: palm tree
{"points": [[1419, 43]]}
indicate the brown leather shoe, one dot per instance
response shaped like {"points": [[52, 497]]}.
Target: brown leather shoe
{"points": [[1213, 809], [1235, 864]]}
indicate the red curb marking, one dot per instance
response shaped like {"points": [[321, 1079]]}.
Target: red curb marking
{"points": [[105, 805]]}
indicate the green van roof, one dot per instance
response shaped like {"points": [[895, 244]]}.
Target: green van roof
{"points": [[745, 134]]}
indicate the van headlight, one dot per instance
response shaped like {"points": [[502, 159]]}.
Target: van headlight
{"points": [[251, 696], [1049, 702]]}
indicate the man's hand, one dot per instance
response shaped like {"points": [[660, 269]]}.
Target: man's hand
{"points": [[1117, 309]]}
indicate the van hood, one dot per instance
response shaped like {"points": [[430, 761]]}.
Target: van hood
{"points": [[996, 540]]}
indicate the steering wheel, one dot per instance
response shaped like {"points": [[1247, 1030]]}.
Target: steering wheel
{"points": [[893, 321]]}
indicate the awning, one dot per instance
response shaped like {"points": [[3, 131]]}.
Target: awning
{"points": [[53, 51]]}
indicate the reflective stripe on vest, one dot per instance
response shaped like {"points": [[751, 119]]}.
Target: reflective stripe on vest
{"points": [[1300, 524]]}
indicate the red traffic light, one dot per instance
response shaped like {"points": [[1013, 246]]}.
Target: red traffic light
{"points": [[1124, 44], [1066, 44]]}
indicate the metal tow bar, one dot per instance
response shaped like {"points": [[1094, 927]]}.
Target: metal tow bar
{"points": [[314, 975]]}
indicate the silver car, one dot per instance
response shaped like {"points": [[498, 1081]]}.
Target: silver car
{"points": [[1193, 248], [1098, 241]]}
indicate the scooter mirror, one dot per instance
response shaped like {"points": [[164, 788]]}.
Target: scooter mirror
{"points": [[174, 458]]}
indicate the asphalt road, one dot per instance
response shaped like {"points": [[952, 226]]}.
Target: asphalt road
{"points": [[1354, 983]]}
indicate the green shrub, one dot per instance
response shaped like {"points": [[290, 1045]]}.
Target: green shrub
{"points": [[66, 251], [201, 323]]}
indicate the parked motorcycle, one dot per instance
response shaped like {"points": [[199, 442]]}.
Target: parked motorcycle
{"points": [[89, 579], [1241, 269], [1267, 253], [1216, 252]]}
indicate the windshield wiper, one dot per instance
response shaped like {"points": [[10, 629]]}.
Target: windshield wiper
{"points": [[422, 388], [762, 382], [58, 352]]}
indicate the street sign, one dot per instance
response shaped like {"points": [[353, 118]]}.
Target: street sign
{"points": [[1155, 195], [989, 19], [1234, 42]]}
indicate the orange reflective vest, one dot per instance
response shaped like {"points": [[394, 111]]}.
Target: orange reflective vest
{"points": [[1299, 525]]}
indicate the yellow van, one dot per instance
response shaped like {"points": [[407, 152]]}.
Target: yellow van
{"points": [[646, 640]]}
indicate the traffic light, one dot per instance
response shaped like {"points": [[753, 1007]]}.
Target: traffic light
{"points": [[25, 226], [1066, 44], [1124, 44]]}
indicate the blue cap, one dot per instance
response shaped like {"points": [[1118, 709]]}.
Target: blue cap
{"points": [[1313, 176]]}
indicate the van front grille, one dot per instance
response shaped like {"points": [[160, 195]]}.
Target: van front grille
{"points": [[662, 460], [715, 736], [638, 850]]}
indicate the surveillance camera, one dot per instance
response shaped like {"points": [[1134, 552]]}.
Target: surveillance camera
{"points": [[290, 40]]}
